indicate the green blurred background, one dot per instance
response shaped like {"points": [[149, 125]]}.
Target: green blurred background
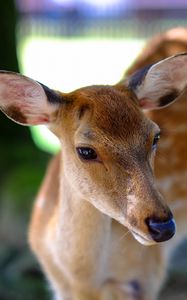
{"points": [[64, 44]]}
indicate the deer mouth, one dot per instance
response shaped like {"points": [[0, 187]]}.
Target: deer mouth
{"points": [[143, 239]]}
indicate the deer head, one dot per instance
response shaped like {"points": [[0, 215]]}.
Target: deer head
{"points": [[108, 144]]}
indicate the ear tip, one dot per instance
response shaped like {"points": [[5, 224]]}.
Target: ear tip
{"points": [[180, 54], [169, 59], [9, 72]]}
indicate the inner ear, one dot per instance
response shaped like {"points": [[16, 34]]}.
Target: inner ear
{"points": [[160, 84], [168, 98], [26, 101]]}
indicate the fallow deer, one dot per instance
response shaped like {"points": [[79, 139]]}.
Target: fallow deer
{"points": [[102, 182], [171, 160]]}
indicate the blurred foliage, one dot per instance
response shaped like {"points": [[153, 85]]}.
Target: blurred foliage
{"points": [[8, 16], [21, 169], [20, 276]]}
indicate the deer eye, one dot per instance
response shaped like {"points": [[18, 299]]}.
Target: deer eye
{"points": [[155, 141], [87, 153]]}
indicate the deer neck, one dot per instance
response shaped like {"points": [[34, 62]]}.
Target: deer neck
{"points": [[78, 215], [82, 232]]}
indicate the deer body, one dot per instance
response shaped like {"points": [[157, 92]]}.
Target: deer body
{"points": [[100, 183], [171, 177], [171, 162]]}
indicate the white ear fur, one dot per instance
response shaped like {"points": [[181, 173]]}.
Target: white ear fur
{"points": [[24, 100], [160, 84]]}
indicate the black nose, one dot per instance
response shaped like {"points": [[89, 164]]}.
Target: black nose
{"points": [[161, 231]]}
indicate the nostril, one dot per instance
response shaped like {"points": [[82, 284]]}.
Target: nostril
{"points": [[161, 231]]}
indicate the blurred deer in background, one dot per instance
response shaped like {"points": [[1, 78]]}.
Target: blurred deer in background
{"points": [[100, 183], [171, 160]]}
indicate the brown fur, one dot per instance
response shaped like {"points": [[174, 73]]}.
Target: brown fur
{"points": [[72, 267], [172, 119], [78, 227], [171, 162]]}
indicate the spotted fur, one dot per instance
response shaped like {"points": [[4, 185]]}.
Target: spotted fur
{"points": [[171, 162]]}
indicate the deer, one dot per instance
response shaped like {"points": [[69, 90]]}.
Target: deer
{"points": [[170, 165], [99, 206]]}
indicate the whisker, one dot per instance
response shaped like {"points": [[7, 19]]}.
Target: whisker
{"points": [[123, 236], [118, 241]]}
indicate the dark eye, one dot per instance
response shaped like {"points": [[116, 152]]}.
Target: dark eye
{"points": [[87, 153], [155, 141]]}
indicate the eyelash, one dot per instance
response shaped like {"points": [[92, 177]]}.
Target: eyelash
{"points": [[155, 141]]}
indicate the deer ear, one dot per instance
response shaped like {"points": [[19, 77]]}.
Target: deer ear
{"points": [[160, 84], [26, 101]]}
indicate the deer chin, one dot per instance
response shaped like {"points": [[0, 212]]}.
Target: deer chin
{"points": [[142, 239]]}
